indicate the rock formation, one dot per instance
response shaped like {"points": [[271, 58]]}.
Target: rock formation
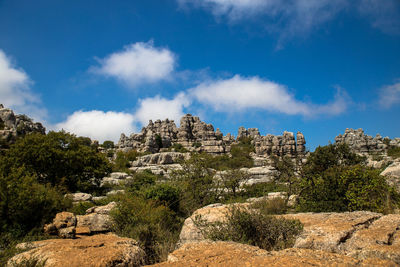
{"points": [[98, 250], [360, 234], [13, 126], [362, 143], [207, 253], [196, 135]]}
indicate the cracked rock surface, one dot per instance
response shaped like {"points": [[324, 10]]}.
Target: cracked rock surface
{"points": [[359, 235]]}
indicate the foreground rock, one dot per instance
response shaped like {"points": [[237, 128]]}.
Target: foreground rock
{"points": [[234, 254], [67, 224], [98, 250], [359, 234]]}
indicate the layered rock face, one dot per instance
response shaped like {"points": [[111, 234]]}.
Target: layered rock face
{"points": [[359, 235], [99, 250], [362, 143], [196, 135], [12, 126]]}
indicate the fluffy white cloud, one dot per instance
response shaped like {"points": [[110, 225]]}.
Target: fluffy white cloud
{"points": [[390, 95], [161, 108], [288, 18], [239, 93], [15, 90], [138, 63], [98, 125]]}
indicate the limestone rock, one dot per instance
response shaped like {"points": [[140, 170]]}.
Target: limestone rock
{"points": [[106, 209], [196, 135], [392, 172], [13, 126], [79, 197], [219, 253], [96, 223], [362, 143], [160, 159], [98, 250]]}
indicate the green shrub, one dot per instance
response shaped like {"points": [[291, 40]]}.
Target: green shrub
{"points": [[394, 152], [123, 159], [81, 207], [179, 148], [165, 194], [2, 125], [262, 189], [108, 144], [159, 141], [25, 204], [271, 206], [254, 228], [231, 180], [197, 184], [196, 145], [141, 181], [347, 188], [154, 226], [60, 159]]}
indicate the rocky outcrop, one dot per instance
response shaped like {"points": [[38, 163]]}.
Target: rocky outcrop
{"points": [[359, 234], [98, 250], [220, 253], [116, 178], [13, 126], [392, 174], [196, 135], [362, 143], [163, 158], [68, 225]]}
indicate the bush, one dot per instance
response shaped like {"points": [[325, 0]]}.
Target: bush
{"points": [[123, 159], [347, 188], [197, 184], [232, 179], [108, 144], [25, 204], [254, 228], [179, 148], [271, 206], [58, 158], [394, 152], [165, 194], [141, 181], [154, 226], [159, 141]]}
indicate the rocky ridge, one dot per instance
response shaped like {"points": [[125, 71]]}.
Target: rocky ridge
{"points": [[13, 126], [196, 135], [359, 142]]}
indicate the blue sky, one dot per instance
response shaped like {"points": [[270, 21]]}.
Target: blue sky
{"points": [[98, 68]]}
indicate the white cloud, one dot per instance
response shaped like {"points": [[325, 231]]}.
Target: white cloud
{"points": [[15, 91], [98, 125], [238, 93], [383, 14], [289, 18], [390, 95], [161, 108], [138, 63]]}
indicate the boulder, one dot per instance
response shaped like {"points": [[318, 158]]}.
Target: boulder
{"points": [[220, 253], [79, 197], [106, 209], [359, 234], [98, 250], [392, 173]]}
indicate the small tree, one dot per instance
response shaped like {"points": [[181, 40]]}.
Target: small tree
{"points": [[108, 144], [286, 172], [231, 180]]}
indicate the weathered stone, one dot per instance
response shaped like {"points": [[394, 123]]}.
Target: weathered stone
{"points": [[392, 174], [160, 159], [68, 232], [99, 250], [106, 209], [96, 223], [79, 197], [195, 135], [362, 143], [13, 126], [219, 253]]}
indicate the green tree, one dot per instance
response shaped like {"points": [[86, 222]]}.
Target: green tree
{"points": [[231, 180], [108, 144], [58, 158]]}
